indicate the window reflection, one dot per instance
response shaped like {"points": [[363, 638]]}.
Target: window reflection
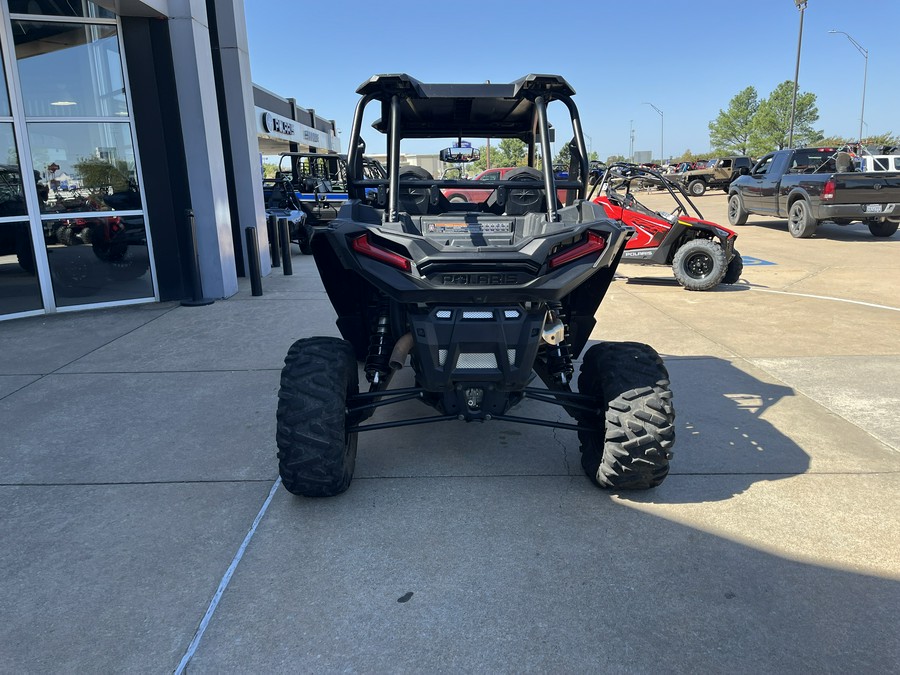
{"points": [[4, 96], [59, 8], [98, 259], [19, 287], [12, 199], [69, 69], [86, 166]]}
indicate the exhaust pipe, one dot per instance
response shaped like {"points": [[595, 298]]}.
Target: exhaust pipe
{"points": [[401, 350]]}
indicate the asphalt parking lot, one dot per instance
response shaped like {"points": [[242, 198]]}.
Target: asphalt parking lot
{"points": [[144, 531]]}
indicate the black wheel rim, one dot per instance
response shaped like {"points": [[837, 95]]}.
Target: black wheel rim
{"points": [[698, 265], [794, 220], [732, 209]]}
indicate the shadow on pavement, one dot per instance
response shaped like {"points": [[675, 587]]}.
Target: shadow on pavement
{"points": [[853, 233], [720, 431], [531, 574]]}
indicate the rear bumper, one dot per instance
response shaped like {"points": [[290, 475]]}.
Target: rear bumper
{"points": [[857, 211]]}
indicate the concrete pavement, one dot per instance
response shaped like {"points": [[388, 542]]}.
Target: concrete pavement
{"points": [[138, 449]]}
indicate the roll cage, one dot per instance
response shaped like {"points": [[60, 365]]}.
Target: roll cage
{"points": [[619, 178], [412, 109]]}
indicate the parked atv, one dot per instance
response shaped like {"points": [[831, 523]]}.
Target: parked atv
{"points": [[282, 202], [701, 253], [478, 297], [308, 189]]}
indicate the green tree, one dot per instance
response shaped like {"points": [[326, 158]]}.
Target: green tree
{"points": [[887, 138], [770, 128], [563, 157], [509, 152], [269, 169], [615, 158], [730, 131], [99, 176], [688, 156]]}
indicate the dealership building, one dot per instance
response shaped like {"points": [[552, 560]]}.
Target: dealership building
{"points": [[132, 139]]}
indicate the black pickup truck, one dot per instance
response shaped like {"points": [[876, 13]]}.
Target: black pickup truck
{"points": [[812, 185]]}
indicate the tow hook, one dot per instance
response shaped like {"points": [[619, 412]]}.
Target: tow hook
{"points": [[554, 331]]}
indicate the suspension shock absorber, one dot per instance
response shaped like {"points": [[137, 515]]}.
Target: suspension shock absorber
{"points": [[380, 346], [555, 334]]}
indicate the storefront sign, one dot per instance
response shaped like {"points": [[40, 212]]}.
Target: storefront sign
{"points": [[278, 125], [286, 129]]}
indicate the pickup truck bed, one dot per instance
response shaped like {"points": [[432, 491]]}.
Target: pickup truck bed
{"points": [[804, 186]]}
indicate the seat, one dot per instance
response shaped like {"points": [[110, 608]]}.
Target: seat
{"points": [[418, 201], [520, 201]]}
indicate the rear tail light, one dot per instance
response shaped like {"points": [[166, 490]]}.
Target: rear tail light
{"points": [[363, 245], [592, 243], [828, 191]]}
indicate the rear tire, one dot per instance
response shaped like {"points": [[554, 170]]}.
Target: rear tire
{"points": [[634, 431], [696, 187], [699, 265], [882, 228], [316, 455], [735, 268], [737, 214], [801, 224]]}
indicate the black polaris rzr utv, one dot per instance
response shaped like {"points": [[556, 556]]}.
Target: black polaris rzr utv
{"points": [[480, 298]]}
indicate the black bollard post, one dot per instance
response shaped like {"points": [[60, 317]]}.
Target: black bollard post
{"points": [[197, 299], [272, 228], [284, 235], [253, 261]]}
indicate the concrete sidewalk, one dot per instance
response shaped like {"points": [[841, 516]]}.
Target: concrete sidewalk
{"points": [[138, 449]]}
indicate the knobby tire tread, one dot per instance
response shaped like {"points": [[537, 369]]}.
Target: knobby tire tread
{"points": [[316, 458], [635, 424]]}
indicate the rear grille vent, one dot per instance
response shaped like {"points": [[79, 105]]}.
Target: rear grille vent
{"points": [[477, 361]]}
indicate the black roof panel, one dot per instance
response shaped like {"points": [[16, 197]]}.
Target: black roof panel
{"points": [[449, 110]]}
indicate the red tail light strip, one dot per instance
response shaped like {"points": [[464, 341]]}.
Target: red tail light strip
{"points": [[362, 244], [593, 243]]}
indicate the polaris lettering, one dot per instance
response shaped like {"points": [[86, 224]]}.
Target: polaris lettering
{"points": [[497, 279]]}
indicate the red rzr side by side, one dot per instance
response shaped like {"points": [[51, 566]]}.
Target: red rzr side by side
{"points": [[701, 253]]}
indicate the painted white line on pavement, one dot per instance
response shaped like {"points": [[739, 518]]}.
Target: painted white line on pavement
{"points": [[223, 584], [827, 297]]}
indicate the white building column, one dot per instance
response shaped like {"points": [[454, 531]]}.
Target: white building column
{"points": [[234, 54], [198, 109]]}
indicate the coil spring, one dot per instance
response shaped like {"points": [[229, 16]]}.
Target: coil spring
{"points": [[377, 361], [559, 358]]}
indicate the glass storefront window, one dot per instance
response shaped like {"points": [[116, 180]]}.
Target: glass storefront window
{"points": [[87, 166], [12, 199], [20, 290], [83, 8], [4, 96], [69, 69], [98, 259]]}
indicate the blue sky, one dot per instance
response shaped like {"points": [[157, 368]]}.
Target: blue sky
{"points": [[687, 57]]}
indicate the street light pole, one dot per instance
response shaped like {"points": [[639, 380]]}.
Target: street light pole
{"points": [[631, 142], [801, 5], [865, 53], [662, 154]]}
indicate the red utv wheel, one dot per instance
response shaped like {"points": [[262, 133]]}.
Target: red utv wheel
{"points": [[699, 265], [735, 268]]}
